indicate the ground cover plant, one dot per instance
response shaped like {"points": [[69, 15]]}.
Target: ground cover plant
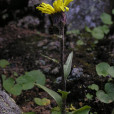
{"points": [[79, 86]]}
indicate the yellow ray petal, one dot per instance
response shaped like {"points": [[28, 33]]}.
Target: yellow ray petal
{"points": [[66, 2]]}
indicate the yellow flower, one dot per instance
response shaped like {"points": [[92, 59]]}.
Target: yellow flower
{"points": [[58, 6]]}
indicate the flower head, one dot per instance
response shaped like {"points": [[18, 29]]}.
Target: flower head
{"points": [[58, 6]]}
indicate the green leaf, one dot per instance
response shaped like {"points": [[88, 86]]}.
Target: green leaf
{"points": [[94, 87], [28, 85], [109, 88], [88, 29], [3, 63], [3, 77], [105, 29], [53, 94], [15, 74], [107, 97], [32, 77], [11, 88], [83, 110], [64, 94], [55, 109], [89, 96], [42, 102], [16, 90], [73, 32], [8, 84], [37, 76], [112, 111], [24, 79], [97, 33], [111, 71], [102, 69], [80, 42], [67, 66], [56, 112], [113, 11], [29, 113], [106, 19], [103, 97], [54, 60]]}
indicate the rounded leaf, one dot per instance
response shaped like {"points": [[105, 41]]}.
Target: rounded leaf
{"points": [[16, 90], [28, 85], [94, 87], [3, 63], [42, 102], [111, 71], [103, 97], [102, 69], [37, 76], [109, 88], [97, 33], [106, 18]]}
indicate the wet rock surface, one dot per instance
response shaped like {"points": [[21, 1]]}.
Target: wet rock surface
{"points": [[8, 105], [81, 14], [86, 13]]}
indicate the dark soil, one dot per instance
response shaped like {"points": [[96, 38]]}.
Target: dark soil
{"points": [[23, 49]]}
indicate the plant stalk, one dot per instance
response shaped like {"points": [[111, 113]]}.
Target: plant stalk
{"points": [[62, 41]]}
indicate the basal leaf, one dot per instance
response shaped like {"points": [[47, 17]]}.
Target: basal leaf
{"points": [[109, 88], [8, 84], [103, 97], [3, 63], [16, 90], [28, 85], [113, 11], [105, 29], [42, 102], [53, 94], [37, 76], [106, 18], [111, 71], [102, 69], [97, 33], [94, 87], [83, 110]]}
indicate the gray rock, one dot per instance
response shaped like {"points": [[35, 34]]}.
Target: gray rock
{"points": [[8, 105], [75, 73], [42, 43], [58, 80], [55, 70], [47, 69], [28, 22], [86, 13]]}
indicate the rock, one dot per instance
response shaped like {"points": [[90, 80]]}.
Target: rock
{"points": [[55, 70], [58, 80], [42, 43], [8, 105], [86, 13], [42, 62], [75, 73], [54, 45], [28, 22], [32, 3], [47, 69]]}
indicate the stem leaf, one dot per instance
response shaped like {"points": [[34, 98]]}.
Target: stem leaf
{"points": [[67, 65]]}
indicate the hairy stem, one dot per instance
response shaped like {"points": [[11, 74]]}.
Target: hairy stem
{"points": [[62, 41]]}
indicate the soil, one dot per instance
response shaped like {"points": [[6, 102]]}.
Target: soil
{"points": [[23, 49]]}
